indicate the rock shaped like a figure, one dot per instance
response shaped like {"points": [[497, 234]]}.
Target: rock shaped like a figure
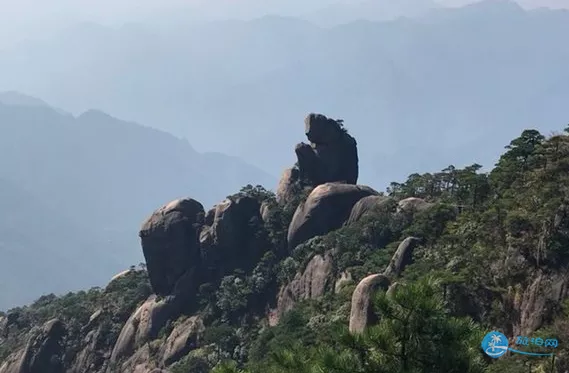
{"points": [[327, 208], [361, 314], [170, 245], [330, 156]]}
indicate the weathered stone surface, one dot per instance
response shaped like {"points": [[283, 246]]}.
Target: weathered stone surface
{"points": [[326, 209], [265, 211], [402, 257], [369, 204], [312, 283], [121, 274], [345, 278], [91, 358], [43, 352], [413, 204], [288, 185], [539, 299], [331, 156], [143, 326], [362, 314], [169, 241], [229, 242], [335, 152], [184, 338]]}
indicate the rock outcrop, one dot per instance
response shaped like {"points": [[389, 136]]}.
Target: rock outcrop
{"points": [[413, 204], [362, 314], [331, 156], [182, 340], [143, 326], [327, 208], [228, 242], [43, 353], [312, 283], [402, 257], [170, 245], [368, 205]]}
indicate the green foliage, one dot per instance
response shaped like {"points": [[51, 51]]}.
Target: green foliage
{"points": [[431, 223], [415, 334], [116, 302], [464, 187], [191, 364], [486, 238]]}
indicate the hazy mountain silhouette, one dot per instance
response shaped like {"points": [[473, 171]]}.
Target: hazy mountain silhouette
{"points": [[75, 190], [453, 77]]}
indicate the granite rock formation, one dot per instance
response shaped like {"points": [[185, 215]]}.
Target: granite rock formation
{"points": [[327, 208], [362, 314], [331, 156], [312, 283], [43, 353]]}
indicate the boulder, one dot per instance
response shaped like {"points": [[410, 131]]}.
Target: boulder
{"points": [[43, 353], [362, 314], [184, 338], [93, 354], [229, 242], [368, 205], [327, 208], [288, 185], [412, 205], [312, 283], [169, 241], [402, 257], [143, 326]]}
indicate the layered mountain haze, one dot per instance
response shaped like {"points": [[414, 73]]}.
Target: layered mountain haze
{"points": [[83, 185], [481, 72]]}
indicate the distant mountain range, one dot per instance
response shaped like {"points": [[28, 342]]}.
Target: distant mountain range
{"points": [[435, 84], [74, 191]]}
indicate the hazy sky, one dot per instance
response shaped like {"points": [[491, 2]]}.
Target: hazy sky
{"points": [[32, 18]]}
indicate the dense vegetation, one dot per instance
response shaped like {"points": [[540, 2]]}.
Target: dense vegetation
{"points": [[485, 239]]}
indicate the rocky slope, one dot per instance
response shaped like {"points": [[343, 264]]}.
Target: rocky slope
{"points": [[261, 272], [82, 184]]}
